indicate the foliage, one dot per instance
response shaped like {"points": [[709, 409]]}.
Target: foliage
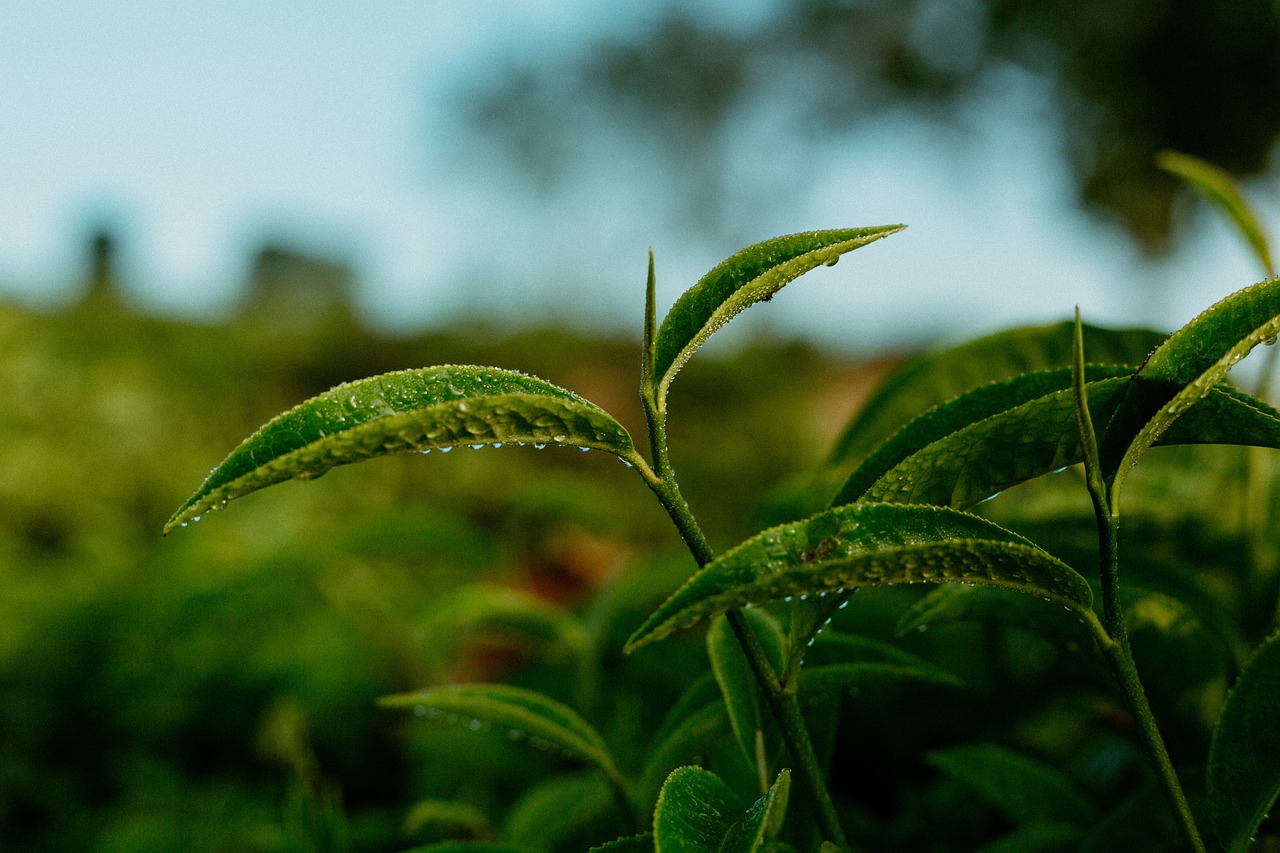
{"points": [[937, 665]]}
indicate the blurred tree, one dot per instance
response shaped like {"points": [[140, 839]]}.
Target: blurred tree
{"points": [[1124, 81]]}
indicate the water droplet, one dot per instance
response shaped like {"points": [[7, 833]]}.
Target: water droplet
{"points": [[497, 444], [515, 734], [831, 261], [559, 438], [625, 462], [462, 407], [445, 449], [476, 446], [455, 390], [539, 445], [922, 628], [420, 710], [1270, 342], [475, 725], [584, 449]]}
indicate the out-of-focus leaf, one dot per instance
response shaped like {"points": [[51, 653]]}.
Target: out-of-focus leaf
{"points": [[1244, 760], [536, 719], [1022, 789], [551, 812], [833, 678], [479, 608], [631, 844], [936, 377], [752, 275], [737, 682], [689, 736], [866, 545], [1037, 838], [447, 817], [467, 847], [952, 603], [1184, 369], [428, 409], [1217, 185]]}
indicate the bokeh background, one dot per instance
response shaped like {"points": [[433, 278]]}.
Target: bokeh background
{"points": [[207, 214]]}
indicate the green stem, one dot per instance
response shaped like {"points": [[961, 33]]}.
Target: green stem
{"points": [[1120, 656], [782, 702]]}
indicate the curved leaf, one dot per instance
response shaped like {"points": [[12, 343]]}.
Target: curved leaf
{"points": [[953, 603], [555, 810], [1244, 758], [427, 409], [935, 377], [866, 545], [447, 817], [749, 276], [695, 812], [631, 844], [841, 678], [1217, 185], [479, 608], [1024, 790], [763, 818], [980, 460], [1037, 838], [531, 717], [689, 736], [1184, 369], [737, 682]]}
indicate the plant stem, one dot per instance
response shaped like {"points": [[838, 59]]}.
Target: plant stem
{"points": [[1120, 656], [782, 701]]}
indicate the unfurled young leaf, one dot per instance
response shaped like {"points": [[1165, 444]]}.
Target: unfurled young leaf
{"points": [[939, 376], [1244, 759], [866, 545], [436, 408], [524, 715], [1026, 791], [752, 275], [1217, 186]]}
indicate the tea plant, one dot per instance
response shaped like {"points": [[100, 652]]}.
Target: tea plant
{"points": [[785, 652]]}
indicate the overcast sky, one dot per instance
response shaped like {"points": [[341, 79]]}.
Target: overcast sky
{"points": [[200, 131]]}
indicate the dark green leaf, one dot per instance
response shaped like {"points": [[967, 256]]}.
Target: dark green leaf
{"points": [[1037, 838], [738, 686], [842, 678], [1184, 369], [556, 810], [936, 377], [428, 409], [1219, 188], [526, 716], [467, 847], [689, 737], [493, 608], [952, 603], [763, 818], [631, 844], [749, 276], [1244, 759], [447, 817], [1024, 790], [695, 811], [866, 545]]}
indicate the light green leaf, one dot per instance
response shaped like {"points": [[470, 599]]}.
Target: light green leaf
{"points": [[1024, 790], [447, 817], [695, 811], [737, 682], [1184, 369], [436, 408], [1243, 775], [752, 275], [936, 377], [1217, 186], [536, 719], [866, 545]]}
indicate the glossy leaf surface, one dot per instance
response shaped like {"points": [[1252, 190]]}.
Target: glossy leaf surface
{"points": [[536, 719], [1185, 368], [429, 409], [936, 377], [742, 698], [695, 811], [1244, 759], [752, 275], [866, 545], [762, 819]]}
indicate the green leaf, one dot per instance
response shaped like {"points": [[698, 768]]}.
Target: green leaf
{"points": [[980, 460], [1217, 186], [1037, 838], [492, 608], [467, 847], [631, 844], [447, 817], [533, 718], [970, 408], [952, 603], [1184, 369], [843, 678], [1244, 759], [429, 409], [749, 276], [763, 818], [936, 377], [695, 811], [737, 682], [688, 737], [556, 810], [866, 545], [1024, 790]]}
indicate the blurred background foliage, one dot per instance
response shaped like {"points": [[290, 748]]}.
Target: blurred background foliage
{"points": [[1117, 83]]}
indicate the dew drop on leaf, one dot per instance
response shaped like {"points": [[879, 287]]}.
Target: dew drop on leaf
{"points": [[445, 449], [476, 446]]}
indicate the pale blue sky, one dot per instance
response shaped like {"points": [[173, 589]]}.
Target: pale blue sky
{"points": [[202, 129]]}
